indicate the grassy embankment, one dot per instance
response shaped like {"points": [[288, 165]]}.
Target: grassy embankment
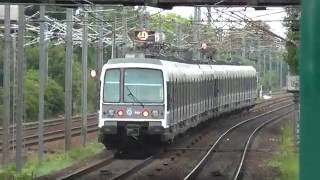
{"points": [[51, 163], [287, 159]]}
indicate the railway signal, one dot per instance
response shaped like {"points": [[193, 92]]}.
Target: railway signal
{"points": [[204, 46], [93, 74], [142, 36]]}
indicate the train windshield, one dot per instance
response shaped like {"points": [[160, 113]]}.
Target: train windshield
{"points": [[111, 91], [143, 85]]}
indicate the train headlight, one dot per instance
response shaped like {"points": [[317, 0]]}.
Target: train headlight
{"points": [[145, 113], [129, 112], [111, 112], [155, 113], [120, 113]]}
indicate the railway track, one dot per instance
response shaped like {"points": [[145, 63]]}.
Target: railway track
{"points": [[109, 168], [54, 131], [48, 123], [204, 171], [112, 168], [178, 159]]}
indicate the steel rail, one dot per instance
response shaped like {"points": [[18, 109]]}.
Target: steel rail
{"points": [[105, 162], [89, 168], [52, 136], [248, 142], [194, 172], [134, 169], [274, 99], [52, 122]]}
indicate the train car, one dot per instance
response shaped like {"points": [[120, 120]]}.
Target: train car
{"points": [[143, 97]]}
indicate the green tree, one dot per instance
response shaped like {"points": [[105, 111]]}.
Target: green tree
{"points": [[274, 80], [54, 96], [291, 56], [169, 26]]}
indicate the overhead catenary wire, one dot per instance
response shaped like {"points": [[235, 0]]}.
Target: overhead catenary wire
{"points": [[266, 30]]}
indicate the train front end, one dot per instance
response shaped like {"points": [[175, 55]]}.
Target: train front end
{"points": [[132, 104]]}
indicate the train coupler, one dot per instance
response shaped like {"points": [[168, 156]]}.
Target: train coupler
{"points": [[133, 131]]}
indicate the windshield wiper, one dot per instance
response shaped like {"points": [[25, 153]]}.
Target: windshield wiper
{"points": [[133, 97]]}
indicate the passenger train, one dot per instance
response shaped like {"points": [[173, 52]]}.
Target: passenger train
{"points": [[142, 97]]}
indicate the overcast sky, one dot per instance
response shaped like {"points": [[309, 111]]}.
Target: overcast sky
{"points": [[272, 16]]}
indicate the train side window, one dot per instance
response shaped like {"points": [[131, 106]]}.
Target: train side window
{"points": [[229, 88], [247, 84], [192, 90], [183, 92], [215, 91], [222, 86], [179, 93], [176, 96], [250, 85], [169, 96]]}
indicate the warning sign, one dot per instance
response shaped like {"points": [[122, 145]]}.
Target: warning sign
{"points": [[142, 35], [145, 36], [204, 46]]}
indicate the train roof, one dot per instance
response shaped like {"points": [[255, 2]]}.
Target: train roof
{"points": [[165, 62], [183, 69], [135, 60]]}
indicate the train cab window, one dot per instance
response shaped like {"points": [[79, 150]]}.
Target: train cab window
{"points": [[111, 90], [143, 85]]}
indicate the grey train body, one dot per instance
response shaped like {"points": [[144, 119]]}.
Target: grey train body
{"points": [[140, 98]]}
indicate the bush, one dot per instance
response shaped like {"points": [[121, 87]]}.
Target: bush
{"points": [[54, 96]]}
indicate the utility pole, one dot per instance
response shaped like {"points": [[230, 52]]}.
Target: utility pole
{"points": [[145, 18], [198, 32], [68, 80], [113, 45], [258, 65], [42, 77], [278, 69], [178, 38], [84, 88], [196, 55], [14, 81], [270, 70], [124, 31], [264, 63], [244, 44], [141, 18], [209, 16], [100, 41], [281, 75], [161, 29], [20, 87], [6, 88]]}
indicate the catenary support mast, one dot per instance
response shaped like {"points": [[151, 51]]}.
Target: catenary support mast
{"points": [[68, 80], [6, 88], [84, 88]]}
